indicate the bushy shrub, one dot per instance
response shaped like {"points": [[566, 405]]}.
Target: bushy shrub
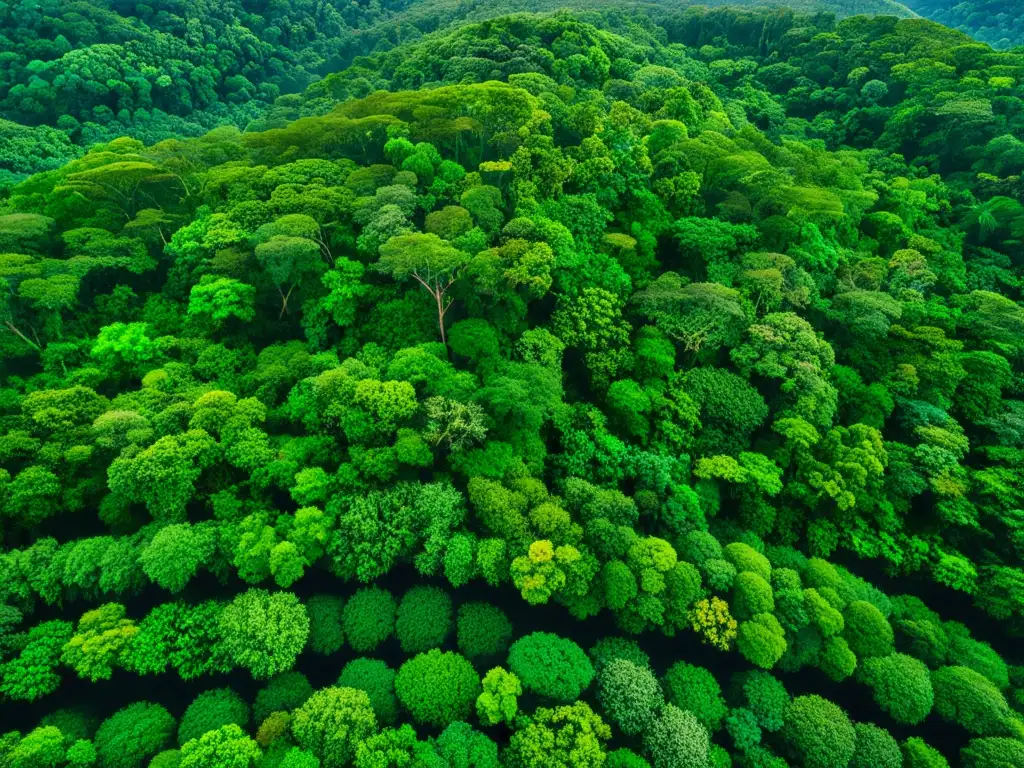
{"points": [[283, 693], [551, 666], [747, 559], [866, 630], [969, 699], [918, 754], [630, 696], [461, 745], [377, 679], [482, 630], [369, 618], [43, 747], [823, 614], [225, 747], [821, 573], [332, 723], [742, 727], [264, 631], [695, 690], [299, 758], [613, 647], [82, 754], [763, 695], [901, 685], [698, 547], [836, 659], [209, 711], [424, 619], [559, 736], [499, 701], [719, 757], [132, 735], [818, 733], [993, 752], [751, 595], [676, 739], [719, 574], [326, 635], [275, 726], [625, 758], [875, 747], [438, 688], [169, 758], [919, 631], [974, 654], [786, 578], [761, 640], [74, 724]]}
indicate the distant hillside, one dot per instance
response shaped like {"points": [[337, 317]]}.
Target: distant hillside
{"points": [[1000, 23]]}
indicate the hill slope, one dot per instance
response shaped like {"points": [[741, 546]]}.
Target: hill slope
{"points": [[1000, 23], [97, 69]]}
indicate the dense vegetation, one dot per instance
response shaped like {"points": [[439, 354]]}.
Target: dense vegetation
{"points": [[997, 22], [574, 390], [77, 73]]}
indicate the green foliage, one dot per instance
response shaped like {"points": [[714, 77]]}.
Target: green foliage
{"points": [[209, 711], [761, 640], [132, 735], [751, 595], [169, 758], [283, 693], [332, 723], [482, 630], [299, 758], [97, 643], [461, 745], [992, 752], [630, 696], [264, 632], [836, 659], [694, 689], [875, 747], [818, 733], [369, 618], [82, 753], [866, 630], [675, 739], [965, 697], [711, 299], [326, 635], [902, 686], [377, 680], [918, 754], [608, 649], [624, 758], [173, 556], [33, 672], [221, 299], [763, 695], [499, 701], [742, 727], [551, 666], [423, 620], [226, 747], [41, 747], [562, 737], [437, 687]]}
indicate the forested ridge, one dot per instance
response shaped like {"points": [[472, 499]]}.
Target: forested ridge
{"points": [[1000, 24], [628, 387], [75, 73]]}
